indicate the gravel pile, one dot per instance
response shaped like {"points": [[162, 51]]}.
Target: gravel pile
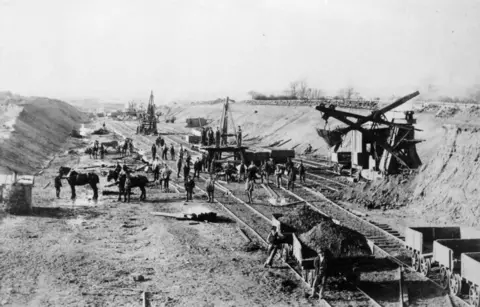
{"points": [[301, 219], [339, 240]]}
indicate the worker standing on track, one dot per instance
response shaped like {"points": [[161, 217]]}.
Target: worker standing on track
{"points": [[172, 152], [210, 188], [320, 263], [155, 169], [278, 175], [166, 177], [58, 184], [165, 152], [181, 151], [179, 166], [274, 244], [292, 176], [301, 172], [241, 171], [239, 137], [210, 136], [154, 151], [189, 186], [217, 137], [186, 172], [197, 167]]}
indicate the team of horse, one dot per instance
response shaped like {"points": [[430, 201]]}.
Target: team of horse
{"points": [[125, 188]]}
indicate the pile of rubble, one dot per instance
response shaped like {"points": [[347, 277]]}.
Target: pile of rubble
{"points": [[301, 219]]}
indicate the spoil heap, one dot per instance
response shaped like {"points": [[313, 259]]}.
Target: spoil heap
{"points": [[101, 131], [301, 219], [339, 240]]}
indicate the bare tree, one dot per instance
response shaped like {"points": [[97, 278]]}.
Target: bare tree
{"points": [[293, 88], [302, 89], [348, 93]]}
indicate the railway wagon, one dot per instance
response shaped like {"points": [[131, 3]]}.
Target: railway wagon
{"points": [[447, 253], [419, 240], [470, 272]]}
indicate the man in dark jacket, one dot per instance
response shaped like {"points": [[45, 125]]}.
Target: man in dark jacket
{"points": [[189, 186], [172, 152], [154, 151], [211, 137], [218, 135], [165, 152], [321, 271], [301, 172], [292, 176], [58, 184], [186, 172], [179, 166], [204, 137], [197, 167]]}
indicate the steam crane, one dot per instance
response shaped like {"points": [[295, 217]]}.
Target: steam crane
{"points": [[148, 122], [378, 145]]}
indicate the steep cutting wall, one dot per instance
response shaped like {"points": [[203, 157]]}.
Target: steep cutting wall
{"points": [[449, 181], [39, 131]]}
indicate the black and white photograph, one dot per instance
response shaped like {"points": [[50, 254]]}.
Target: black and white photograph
{"points": [[211, 153]]}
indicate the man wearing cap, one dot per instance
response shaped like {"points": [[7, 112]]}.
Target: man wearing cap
{"points": [[320, 263], [274, 244]]}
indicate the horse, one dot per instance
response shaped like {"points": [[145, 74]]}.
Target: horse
{"points": [[135, 181], [76, 179]]}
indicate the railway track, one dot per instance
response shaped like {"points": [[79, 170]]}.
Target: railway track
{"points": [[254, 217], [387, 241]]}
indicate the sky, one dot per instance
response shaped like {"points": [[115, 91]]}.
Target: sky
{"points": [[205, 49]]}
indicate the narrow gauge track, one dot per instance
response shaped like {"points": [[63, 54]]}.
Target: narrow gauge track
{"points": [[387, 241], [254, 216]]}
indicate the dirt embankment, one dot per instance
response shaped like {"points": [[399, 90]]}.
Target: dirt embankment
{"points": [[448, 182], [36, 133]]}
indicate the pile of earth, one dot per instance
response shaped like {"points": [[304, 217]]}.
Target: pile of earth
{"points": [[101, 131], [301, 219], [39, 130], [447, 111], [340, 241], [392, 192]]}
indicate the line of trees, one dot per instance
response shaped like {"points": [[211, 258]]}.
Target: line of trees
{"points": [[300, 90]]}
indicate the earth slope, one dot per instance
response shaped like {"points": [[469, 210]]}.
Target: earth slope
{"points": [[38, 128]]}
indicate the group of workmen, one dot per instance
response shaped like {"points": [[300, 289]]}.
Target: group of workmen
{"points": [[210, 138]]}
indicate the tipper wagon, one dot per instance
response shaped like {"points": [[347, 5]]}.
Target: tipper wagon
{"points": [[448, 253], [420, 241], [470, 272]]}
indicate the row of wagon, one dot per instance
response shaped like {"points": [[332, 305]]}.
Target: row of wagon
{"points": [[454, 250]]}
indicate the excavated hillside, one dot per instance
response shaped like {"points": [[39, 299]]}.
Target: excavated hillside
{"points": [[445, 185], [37, 129], [448, 182]]}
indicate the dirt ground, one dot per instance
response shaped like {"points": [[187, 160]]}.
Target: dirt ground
{"points": [[84, 253]]}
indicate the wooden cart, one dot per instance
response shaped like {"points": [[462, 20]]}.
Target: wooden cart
{"points": [[447, 253], [420, 241]]}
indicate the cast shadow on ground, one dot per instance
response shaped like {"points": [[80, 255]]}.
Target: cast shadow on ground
{"points": [[70, 212]]}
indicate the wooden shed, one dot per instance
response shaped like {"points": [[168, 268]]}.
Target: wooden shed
{"points": [[15, 192]]}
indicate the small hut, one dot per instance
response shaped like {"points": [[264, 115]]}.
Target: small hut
{"points": [[15, 192]]}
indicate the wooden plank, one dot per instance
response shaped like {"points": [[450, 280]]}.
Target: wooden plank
{"points": [[145, 300]]}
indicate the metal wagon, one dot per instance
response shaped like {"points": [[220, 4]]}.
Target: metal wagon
{"points": [[420, 241], [448, 254]]}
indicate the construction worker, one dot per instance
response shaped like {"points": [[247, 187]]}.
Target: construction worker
{"points": [[186, 171], [181, 151], [278, 174], [166, 177], [204, 137], [128, 185], [292, 176], [249, 189], [289, 165], [189, 186], [252, 172], [241, 171], [320, 263], [217, 137], [102, 151], [172, 152], [301, 172], [239, 137], [118, 168], [179, 166], [210, 188], [165, 152], [197, 167], [211, 136], [154, 151], [58, 184], [274, 244], [188, 160], [156, 169]]}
